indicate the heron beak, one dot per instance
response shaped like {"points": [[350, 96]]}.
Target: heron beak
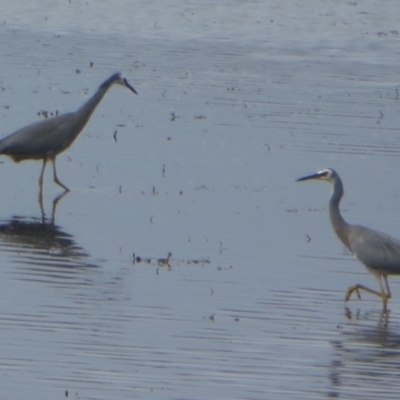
{"points": [[318, 175], [126, 83]]}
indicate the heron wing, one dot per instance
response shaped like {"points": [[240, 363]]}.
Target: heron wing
{"points": [[376, 250], [40, 139]]}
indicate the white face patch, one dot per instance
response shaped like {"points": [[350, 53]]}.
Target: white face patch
{"points": [[324, 171]]}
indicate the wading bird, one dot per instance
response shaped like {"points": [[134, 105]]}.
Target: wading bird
{"points": [[44, 140], [379, 252]]}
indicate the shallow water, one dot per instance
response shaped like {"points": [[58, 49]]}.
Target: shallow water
{"points": [[231, 110]]}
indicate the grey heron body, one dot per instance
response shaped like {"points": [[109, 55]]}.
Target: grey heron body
{"points": [[44, 140], [379, 252]]}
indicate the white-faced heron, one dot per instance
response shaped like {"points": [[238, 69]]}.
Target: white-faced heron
{"points": [[379, 252], [44, 140]]}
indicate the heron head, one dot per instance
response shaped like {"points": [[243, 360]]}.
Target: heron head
{"points": [[326, 174], [118, 79]]}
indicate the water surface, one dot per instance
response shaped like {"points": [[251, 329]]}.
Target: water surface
{"points": [[236, 101]]}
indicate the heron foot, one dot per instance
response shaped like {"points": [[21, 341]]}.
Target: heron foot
{"points": [[56, 180], [350, 290], [356, 288]]}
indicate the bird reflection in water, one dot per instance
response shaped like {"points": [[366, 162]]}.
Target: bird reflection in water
{"points": [[42, 245], [363, 358], [56, 201], [382, 317]]}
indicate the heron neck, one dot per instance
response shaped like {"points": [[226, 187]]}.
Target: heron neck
{"points": [[340, 226], [85, 112]]}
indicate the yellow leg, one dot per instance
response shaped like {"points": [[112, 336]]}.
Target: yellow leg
{"points": [[384, 295]]}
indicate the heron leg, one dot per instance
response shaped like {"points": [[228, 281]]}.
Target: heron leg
{"points": [[388, 293], [41, 203], [42, 173], [56, 180]]}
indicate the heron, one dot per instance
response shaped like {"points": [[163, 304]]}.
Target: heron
{"points": [[379, 252], [44, 140]]}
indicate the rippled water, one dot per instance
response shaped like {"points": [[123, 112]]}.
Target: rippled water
{"points": [[186, 263]]}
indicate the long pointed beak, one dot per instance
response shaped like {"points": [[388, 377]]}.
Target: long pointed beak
{"points": [[313, 176], [126, 83]]}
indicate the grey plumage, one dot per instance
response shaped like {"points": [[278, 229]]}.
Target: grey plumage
{"points": [[379, 252], [46, 139]]}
